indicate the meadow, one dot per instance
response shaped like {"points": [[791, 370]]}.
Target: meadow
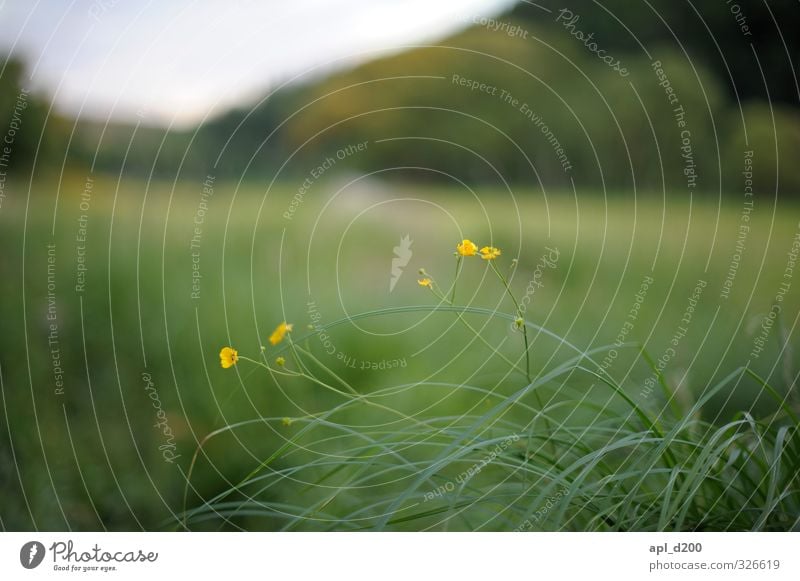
{"points": [[401, 409]]}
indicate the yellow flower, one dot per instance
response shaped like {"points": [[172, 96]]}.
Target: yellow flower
{"points": [[228, 357], [279, 333], [467, 248], [490, 252], [425, 282], [280, 361]]}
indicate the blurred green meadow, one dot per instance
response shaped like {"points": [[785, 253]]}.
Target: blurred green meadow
{"points": [[122, 373]]}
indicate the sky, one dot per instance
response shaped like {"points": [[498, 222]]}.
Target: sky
{"points": [[180, 61]]}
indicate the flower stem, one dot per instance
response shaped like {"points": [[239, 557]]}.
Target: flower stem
{"points": [[519, 313], [455, 280], [527, 352]]}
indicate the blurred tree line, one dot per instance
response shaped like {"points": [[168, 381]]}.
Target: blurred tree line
{"points": [[495, 103]]}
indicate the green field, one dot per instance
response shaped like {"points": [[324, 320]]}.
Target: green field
{"points": [[110, 386]]}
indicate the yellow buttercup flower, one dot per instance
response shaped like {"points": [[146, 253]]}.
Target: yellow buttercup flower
{"points": [[228, 357], [425, 282], [279, 333], [467, 248], [490, 252]]}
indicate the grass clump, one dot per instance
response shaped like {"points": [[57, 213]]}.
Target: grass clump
{"points": [[529, 450]]}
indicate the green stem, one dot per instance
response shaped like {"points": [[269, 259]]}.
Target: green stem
{"points": [[440, 295], [455, 280], [538, 397], [519, 313], [330, 371], [354, 395], [269, 368]]}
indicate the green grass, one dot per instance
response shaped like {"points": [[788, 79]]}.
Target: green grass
{"points": [[709, 447], [506, 463]]}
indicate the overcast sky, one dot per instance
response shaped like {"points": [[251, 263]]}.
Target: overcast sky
{"points": [[180, 60]]}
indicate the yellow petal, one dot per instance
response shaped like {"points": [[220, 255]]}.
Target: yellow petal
{"points": [[279, 333], [467, 248], [228, 356]]}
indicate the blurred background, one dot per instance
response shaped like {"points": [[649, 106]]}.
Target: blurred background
{"points": [[175, 177]]}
